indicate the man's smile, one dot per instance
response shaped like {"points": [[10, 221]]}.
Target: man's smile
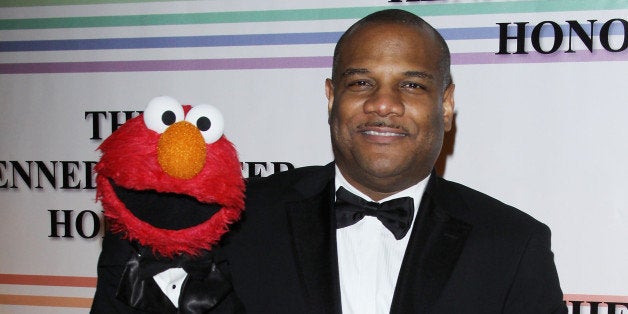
{"points": [[378, 133], [382, 132]]}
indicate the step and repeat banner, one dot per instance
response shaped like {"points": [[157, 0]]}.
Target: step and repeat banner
{"points": [[541, 110]]}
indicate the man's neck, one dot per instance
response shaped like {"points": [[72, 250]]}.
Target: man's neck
{"points": [[376, 196]]}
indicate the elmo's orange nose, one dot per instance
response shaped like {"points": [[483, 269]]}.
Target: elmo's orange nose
{"points": [[181, 150]]}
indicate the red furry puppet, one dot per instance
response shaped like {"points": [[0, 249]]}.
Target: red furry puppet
{"points": [[170, 184]]}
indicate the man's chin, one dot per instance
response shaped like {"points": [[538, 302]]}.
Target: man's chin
{"points": [[380, 170]]}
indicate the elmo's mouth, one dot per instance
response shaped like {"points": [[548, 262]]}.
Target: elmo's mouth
{"points": [[168, 211]]}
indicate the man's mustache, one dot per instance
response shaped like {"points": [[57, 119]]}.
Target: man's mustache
{"points": [[381, 124]]}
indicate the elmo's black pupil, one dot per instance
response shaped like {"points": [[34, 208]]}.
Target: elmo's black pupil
{"points": [[203, 123], [168, 117]]}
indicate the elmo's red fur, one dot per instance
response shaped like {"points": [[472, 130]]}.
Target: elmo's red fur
{"points": [[129, 159]]}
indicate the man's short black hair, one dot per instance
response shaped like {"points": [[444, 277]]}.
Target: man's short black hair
{"points": [[397, 16]]}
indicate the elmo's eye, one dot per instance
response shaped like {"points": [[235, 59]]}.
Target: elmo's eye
{"points": [[208, 120], [162, 112]]}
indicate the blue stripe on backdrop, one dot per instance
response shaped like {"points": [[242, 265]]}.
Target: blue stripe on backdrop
{"points": [[247, 39]]}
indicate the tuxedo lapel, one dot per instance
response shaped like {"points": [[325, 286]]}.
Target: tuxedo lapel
{"points": [[436, 242], [312, 225]]}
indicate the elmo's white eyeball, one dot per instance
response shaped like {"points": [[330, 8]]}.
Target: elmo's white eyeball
{"points": [[208, 119], [162, 112]]}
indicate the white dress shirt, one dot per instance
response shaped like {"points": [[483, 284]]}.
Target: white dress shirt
{"points": [[369, 256]]}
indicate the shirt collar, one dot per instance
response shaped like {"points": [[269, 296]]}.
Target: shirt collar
{"points": [[415, 191]]}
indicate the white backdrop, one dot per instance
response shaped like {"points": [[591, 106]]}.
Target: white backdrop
{"points": [[543, 132]]}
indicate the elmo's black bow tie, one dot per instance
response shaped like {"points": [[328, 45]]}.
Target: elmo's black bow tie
{"points": [[396, 215], [205, 288]]}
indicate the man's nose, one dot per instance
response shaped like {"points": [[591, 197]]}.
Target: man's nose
{"points": [[385, 101]]}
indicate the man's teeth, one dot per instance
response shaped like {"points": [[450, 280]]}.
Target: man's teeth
{"points": [[382, 133]]}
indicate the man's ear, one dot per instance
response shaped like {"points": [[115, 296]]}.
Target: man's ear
{"points": [[448, 106], [329, 93]]}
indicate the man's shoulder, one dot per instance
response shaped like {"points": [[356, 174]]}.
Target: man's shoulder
{"points": [[485, 209]]}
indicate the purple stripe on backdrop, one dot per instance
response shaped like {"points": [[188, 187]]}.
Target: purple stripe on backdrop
{"points": [[167, 65], [578, 56], [288, 63]]}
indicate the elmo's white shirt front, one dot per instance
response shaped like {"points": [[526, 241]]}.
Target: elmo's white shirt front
{"points": [[170, 282]]}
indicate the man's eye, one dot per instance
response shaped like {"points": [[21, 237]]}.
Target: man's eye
{"points": [[412, 85], [359, 83]]}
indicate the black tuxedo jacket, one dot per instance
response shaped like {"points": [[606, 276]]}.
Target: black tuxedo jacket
{"points": [[468, 253]]}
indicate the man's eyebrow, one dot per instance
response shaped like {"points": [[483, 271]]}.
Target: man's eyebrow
{"points": [[419, 74], [353, 71]]}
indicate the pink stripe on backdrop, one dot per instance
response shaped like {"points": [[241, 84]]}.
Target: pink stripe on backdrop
{"points": [[596, 298], [45, 280], [47, 301]]}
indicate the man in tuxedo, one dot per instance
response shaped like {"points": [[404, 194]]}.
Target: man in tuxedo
{"points": [[377, 231]]}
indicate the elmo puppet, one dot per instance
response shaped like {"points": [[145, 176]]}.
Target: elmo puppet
{"points": [[170, 184]]}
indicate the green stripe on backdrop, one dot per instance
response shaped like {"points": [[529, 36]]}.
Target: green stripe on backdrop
{"points": [[430, 9]]}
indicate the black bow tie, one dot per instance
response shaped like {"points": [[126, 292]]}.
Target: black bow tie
{"points": [[204, 288], [396, 215]]}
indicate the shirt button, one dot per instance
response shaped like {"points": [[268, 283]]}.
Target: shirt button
{"points": [[174, 286]]}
